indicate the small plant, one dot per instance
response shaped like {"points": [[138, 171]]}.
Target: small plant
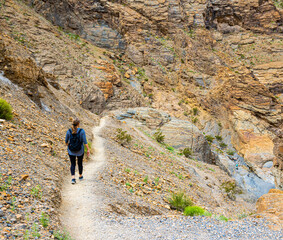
{"points": [[194, 119], [145, 180], [36, 192], [209, 138], [26, 235], [62, 235], [122, 136], [231, 189], [34, 231], [5, 110], [218, 138], [230, 152], [180, 201], [222, 218], [128, 184], [7, 183], [223, 145], [207, 214], [195, 111], [156, 180], [171, 149], [127, 170], [219, 124], [44, 219], [159, 137], [242, 215], [193, 211], [186, 114], [13, 203], [187, 152], [211, 169]]}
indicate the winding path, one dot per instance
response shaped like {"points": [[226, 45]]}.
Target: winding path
{"points": [[79, 201], [80, 205]]}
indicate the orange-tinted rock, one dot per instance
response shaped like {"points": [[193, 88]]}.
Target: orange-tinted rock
{"points": [[106, 88], [270, 206]]}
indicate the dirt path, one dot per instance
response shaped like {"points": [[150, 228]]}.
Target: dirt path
{"points": [[78, 200]]}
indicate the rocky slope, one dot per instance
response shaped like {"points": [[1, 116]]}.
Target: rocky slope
{"points": [[230, 69], [216, 66]]}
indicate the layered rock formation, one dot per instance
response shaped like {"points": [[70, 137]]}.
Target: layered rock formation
{"points": [[270, 206], [178, 60], [230, 16]]}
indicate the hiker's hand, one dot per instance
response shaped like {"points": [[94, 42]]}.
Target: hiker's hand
{"points": [[88, 152]]}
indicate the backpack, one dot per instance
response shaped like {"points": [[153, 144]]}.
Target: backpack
{"points": [[75, 143]]}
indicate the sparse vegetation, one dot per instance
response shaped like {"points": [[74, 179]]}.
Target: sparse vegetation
{"points": [[145, 180], [36, 192], [218, 138], [122, 136], [209, 138], [278, 3], [223, 145], [44, 219], [180, 201], [187, 152], [230, 152], [5, 110], [195, 111], [222, 218], [193, 211], [159, 137], [6, 184], [62, 235], [231, 189], [127, 170]]}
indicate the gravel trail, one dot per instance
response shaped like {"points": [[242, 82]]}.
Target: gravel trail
{"points": [[78, 200], [80, 215]]}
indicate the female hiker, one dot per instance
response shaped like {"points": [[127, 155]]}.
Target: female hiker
{"points": [[76, 139]]}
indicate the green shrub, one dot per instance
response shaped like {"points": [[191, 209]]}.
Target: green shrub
{"points": [[44, 219], [230, 152], [171, 149], [145, 179], [187, 152], [193, 211], [209, 138], [159, 137], [180, 201], [222, 218], [36, 192], [5, 110], [195, 111], [278, 3], [218, 138], [194, 119], [223, 145], [62, 235], [122, 136]]}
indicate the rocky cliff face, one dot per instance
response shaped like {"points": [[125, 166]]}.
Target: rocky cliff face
{"points": [[230, 73]]}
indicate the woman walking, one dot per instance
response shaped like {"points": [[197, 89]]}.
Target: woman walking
{"points": [[76, 139]]}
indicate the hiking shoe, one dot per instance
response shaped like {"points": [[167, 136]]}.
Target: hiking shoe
{"points": [[73, 181], [81, 178]]}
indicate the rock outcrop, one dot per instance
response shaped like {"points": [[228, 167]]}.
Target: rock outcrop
{"points": [[270, 206], [230, 16], [178, 133]]}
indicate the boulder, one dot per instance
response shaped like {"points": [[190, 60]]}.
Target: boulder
{"points": [[270, 206]]}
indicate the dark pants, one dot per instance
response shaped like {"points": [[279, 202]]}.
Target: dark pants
{"points": [[73, 164]]}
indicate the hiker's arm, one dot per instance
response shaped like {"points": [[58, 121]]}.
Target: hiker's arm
{"points": [[88, 151], [67, 139], [85, 143]]}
